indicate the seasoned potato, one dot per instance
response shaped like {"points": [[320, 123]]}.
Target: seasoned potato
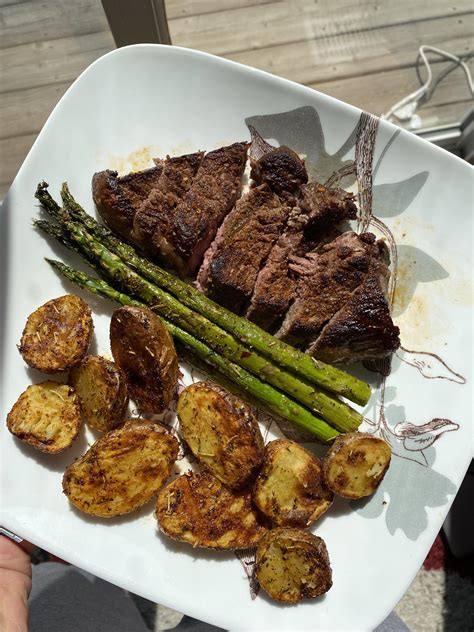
{"points": [[47, 416], [355, 464], [292, 565], [102, 390], [200, 510], [144, 350], [221, 431], [57, 335], [123, 470], [290, 488]]}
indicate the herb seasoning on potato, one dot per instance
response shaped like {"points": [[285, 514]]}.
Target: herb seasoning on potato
{"points": [[356, 464], [144, 350], [123, 470], [198, 509], [221, 431], [290, 487], [102, 390], [57, 335], [292, 565], [47, 416]]}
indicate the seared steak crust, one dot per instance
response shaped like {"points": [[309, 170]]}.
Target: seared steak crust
{"points": [[362, 329], [118, 199], [320, 210], [281, 168], [327, 279], [325, 207], [197, 217], [155, 212], [247, 236]]}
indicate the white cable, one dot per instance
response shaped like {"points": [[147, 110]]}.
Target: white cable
{"points": [[406, 107]]}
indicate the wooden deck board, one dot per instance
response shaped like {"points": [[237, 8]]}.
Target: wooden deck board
{"points": [[361, 51]]}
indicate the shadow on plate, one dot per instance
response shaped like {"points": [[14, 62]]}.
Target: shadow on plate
{"points": [[55, 462], [182, 548]]}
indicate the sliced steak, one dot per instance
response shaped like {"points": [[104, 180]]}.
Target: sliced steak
{"points": [[327, 279], [154, 213], [281, 168], [319, 213], [362, 329], [197, 217], [242, 244], [325, 207], [118, 199]]}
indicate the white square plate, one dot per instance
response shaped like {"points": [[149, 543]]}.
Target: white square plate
{"points": [[170, 100]]}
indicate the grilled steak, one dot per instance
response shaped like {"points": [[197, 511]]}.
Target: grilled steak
{"points": [[118, 199], [243, 242], [281, 168], [362, 329], [198, 215], [319, 213], [327, 279], [325, 207], [155, 212]]}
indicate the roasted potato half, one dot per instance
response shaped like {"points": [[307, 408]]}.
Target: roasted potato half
{"points": [[57, 335], [292, 565], [290, 487], [123, 470], [197, 508], [355, 464], [144, 350], [102, 390], [47, 416], [221, 431]]}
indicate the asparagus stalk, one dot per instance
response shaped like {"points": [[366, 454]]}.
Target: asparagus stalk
{"points": [[337, 413], [275, 401], [311, 370]]}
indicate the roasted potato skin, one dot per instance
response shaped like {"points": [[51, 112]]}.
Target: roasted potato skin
{"points": [[292, 565], [102, 390], [290, 489], [355, 464], [122, 470], [221, 431], [144, 350], [57, 335], [46, 416], [198, 509]]}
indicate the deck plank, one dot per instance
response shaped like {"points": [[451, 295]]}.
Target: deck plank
{"points": [[361, 51], [53, 61], [279, 23]]}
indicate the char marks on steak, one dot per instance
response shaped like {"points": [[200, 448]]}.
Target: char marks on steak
{"points": [[118, 199], [327, 278], [362, 329], [325, 207], [319, 212], [242, 244], [281, 168], [198, 215], [155, 212]]}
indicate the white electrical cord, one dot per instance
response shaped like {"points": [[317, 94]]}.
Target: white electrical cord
{"points": [[406, 107]]}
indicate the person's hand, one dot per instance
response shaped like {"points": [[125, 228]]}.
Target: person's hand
{"points": [[15, 585]]}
